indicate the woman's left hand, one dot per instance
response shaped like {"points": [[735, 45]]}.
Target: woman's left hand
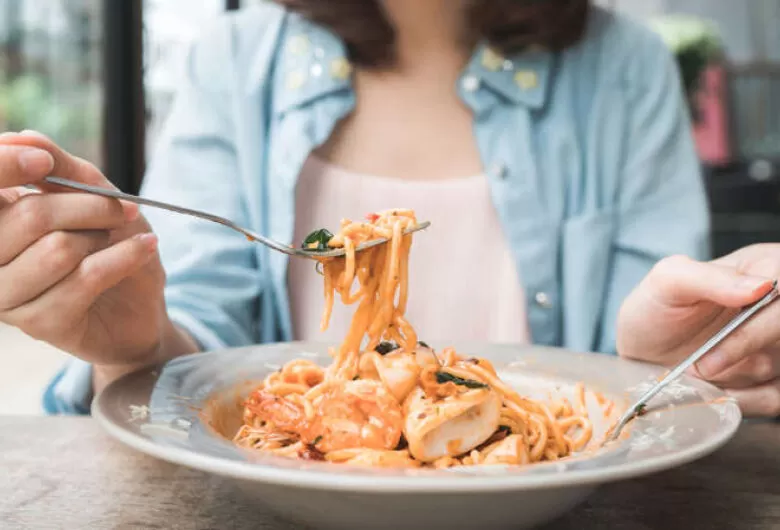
{"points": [[682, 303]]}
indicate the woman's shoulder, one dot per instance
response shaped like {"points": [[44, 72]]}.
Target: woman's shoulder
{"points": [[235, 41], [617, 49]]}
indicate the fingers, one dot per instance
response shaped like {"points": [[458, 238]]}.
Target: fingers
{"points": [[746, 258], [759, 334], [19, 166], [28, 157], [11, 195], [762, 400], [755, 369], [34, 215], [72, 297], [679, 281], [46, 262]]}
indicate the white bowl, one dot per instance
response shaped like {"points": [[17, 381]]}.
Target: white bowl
{"points": [[178, 413]]}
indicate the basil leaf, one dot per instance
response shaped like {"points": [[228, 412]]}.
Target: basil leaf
{"points": [[385, 347], [444, 377], [320, 238]]}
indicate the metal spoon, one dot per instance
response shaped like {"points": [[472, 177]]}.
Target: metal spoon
{"points": [[638, 408], [252, 236]]}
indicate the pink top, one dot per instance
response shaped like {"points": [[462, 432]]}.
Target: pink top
{"points": [[463, 282]]}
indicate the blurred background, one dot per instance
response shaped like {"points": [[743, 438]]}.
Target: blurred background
{"points": [[98, 77]]}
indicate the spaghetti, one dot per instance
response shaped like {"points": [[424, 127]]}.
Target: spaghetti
{"points": [[389, 400]]}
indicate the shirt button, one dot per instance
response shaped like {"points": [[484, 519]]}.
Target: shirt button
{"points": [[500, 171], [470, 83], [543, 300]]}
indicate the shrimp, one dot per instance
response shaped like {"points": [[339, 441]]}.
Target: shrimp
{"points": [[359, 414], [282, 412]]}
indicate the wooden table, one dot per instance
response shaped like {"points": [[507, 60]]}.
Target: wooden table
{"points": [[66, 473]]}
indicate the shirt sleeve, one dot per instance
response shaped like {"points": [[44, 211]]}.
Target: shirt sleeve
{"points": [[213, 278], [661, 203]]}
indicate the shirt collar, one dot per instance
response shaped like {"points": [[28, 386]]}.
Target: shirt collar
{"points": [[313, 63], [520, 78]]}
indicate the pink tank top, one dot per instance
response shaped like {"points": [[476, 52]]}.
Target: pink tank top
{"points": [[463, 282]]}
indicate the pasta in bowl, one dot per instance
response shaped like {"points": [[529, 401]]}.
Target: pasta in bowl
{"points": [[390, 400]]}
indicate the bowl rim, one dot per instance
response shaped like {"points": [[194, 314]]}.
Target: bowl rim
{"points": [[372, 483]]}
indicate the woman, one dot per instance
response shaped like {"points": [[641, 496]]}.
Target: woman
{"points": [[546, 141]]}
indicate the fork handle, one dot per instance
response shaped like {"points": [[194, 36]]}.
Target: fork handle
{"points": [[116, 194]]}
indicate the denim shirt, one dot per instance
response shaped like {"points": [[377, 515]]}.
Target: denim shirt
{"points": [[589, 155]]}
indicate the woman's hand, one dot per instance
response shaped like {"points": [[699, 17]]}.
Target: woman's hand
{"points": [[78, 271], [682, 302]]}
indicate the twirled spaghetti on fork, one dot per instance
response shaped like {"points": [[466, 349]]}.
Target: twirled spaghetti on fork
{"points": [[388, 400]]}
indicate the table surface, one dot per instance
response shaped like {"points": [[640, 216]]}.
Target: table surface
{"points": [[60, 472]]}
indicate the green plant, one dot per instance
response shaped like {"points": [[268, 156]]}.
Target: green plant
{"points": [[26, 102], [695, 43]]}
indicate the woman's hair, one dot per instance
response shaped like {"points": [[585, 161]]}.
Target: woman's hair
{"points": [[509, 25]]}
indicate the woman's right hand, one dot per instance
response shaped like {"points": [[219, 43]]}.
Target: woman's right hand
{"points": [[78, 271]]}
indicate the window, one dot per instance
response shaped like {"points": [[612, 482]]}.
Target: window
{"points": [[51, 71]]}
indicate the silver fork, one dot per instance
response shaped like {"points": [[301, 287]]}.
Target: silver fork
{"points": [[639, 406], [252, 236]]}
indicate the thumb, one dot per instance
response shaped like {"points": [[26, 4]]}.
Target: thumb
{"points": [[66, 166], [679, 281]]}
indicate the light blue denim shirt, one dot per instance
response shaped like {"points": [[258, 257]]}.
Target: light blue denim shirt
{"points": [[589, 155]]}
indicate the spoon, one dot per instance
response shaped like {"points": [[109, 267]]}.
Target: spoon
{"points": [[250, 235], [637, 409]]}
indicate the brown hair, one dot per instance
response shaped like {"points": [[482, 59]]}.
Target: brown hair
{"points": [[509, 25]]}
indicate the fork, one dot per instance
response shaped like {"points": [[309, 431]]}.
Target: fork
{"points": [[249, 234]]}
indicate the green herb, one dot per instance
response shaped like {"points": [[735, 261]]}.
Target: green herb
{"points": [[444, 377], [385, 347], [317, 440], [504, 428], [318, 240], [421, 343], [641, 409]]}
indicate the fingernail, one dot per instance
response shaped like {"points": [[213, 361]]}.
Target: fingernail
{"points": [[30, 132], [693, 371], [36, 162], [149, 240], [753, 283], [711, 364]]}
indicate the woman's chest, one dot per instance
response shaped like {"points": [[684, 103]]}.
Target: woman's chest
{"points": [[405, 130], [460, 286]]}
